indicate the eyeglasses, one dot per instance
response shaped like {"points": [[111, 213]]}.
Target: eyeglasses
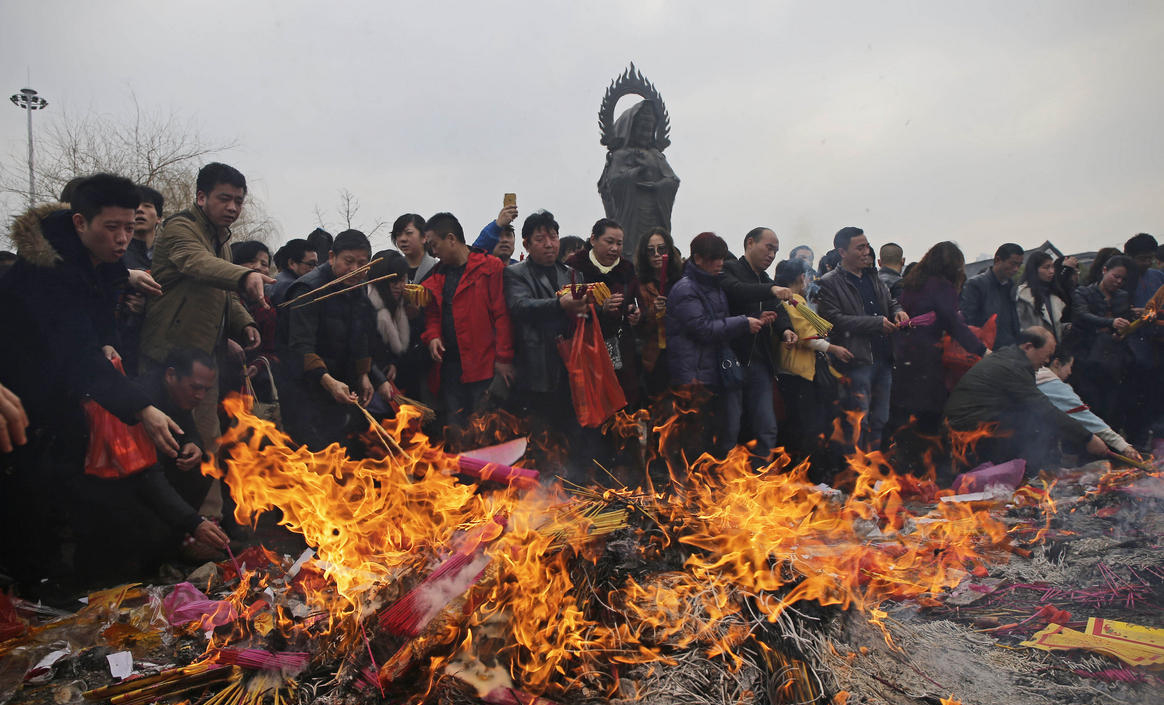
{"points": [[657, 249]]}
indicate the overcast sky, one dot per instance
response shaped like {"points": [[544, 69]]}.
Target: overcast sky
{"points": [[980, 122]]}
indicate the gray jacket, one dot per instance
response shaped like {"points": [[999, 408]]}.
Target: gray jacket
{"points": [[840, 304]]}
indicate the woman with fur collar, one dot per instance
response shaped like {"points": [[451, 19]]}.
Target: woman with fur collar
{"points": [[393, 334]]}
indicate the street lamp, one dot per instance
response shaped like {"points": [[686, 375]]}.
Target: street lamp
{"points": [[27, 99]]}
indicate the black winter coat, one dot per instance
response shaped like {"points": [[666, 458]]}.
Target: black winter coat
{"points": [[1090, 340], [749, 293], [332, 336], [56, 311]]}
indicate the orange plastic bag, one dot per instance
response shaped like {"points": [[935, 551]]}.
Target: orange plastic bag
{"points": [[957, 360], [116, 449], [594, 385]]}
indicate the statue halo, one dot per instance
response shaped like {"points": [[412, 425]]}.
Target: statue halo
{"points": [[632, 82]]}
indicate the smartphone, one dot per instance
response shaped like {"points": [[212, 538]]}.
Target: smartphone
{"points": [[510, 200]]}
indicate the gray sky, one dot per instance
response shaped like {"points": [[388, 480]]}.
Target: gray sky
{"points": [[979, 122]]}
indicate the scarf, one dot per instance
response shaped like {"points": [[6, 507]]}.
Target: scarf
{"points": [[393, 327], [603, 270]]}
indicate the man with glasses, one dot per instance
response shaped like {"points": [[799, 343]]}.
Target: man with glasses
{"points": [[294, 260]]}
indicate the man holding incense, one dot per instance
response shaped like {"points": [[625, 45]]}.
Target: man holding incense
{"points": [[325, 349], [750, 292], [200, 306]]}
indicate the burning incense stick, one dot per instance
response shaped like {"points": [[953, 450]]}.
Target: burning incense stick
{"points": [[355, 272], [389, 442], [234, 562], [344, 291]]}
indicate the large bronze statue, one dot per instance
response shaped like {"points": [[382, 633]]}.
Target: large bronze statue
{"points": [[637, 185]]}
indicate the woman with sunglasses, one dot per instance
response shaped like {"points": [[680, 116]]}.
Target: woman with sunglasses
{"points": [[659, 265]]}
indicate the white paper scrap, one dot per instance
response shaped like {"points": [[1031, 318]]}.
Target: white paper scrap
{"points": [[120, 664]]}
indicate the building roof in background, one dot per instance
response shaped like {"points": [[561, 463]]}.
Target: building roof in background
{"points": [[975, 268]]}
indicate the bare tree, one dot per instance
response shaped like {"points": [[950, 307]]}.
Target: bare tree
{"points": [[156, 149], [348, 208]]}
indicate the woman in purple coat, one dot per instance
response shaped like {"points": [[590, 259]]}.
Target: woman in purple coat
{"points": [[919, 387], [699, 330]]}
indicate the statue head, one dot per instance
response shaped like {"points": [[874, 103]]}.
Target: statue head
{"points": [[636, 127], [643, 127]]}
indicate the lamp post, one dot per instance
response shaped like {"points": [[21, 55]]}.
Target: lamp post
{"points": [[27, 99]]}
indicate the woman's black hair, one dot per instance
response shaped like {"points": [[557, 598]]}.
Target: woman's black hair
{"points": [[1039, 289], [247, 251], [643, 268], [391, 262]]}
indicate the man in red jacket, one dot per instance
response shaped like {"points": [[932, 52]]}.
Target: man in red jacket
{"points": [[467, 327]]}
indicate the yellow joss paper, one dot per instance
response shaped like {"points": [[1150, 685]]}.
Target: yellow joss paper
{"points": [[1135, 646]]}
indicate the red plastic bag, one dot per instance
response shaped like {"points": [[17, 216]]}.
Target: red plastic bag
{"points": [[957, 360], [116, 449], [593, 382]]}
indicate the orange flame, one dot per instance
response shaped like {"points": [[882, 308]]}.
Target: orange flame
{"points": [[763, 538]]}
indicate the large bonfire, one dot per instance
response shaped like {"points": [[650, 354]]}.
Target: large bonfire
{"points": [[424, 586]]}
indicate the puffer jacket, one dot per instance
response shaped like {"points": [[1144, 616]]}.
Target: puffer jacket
{"points": [[840, 303], [699, 328], [331, 336], [531, 293], [1092, 316], [57, 310], [192, 264]]}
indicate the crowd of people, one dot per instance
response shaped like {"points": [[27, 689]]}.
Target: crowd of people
{"points": [[121, 316]]}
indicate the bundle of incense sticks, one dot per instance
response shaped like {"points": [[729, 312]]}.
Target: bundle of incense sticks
{"points": [[345, 290], [821, 325], [167, 684], [599, 291], [426, 412], [1148, 316], [411, 613], [260, 660], [417, 295], [496, 472], [924, 319], [354, 273]]}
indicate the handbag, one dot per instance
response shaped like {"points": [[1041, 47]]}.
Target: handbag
{"points": [[731, 372], [265, 410]]}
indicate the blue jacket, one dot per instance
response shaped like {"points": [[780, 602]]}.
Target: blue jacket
{"points": [[699, 327]]}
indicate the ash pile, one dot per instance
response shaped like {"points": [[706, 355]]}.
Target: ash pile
{"points": [[749, 586]]}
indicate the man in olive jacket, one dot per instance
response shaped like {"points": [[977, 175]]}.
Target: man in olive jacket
{"points": [[1000, 391], [200, 305]]}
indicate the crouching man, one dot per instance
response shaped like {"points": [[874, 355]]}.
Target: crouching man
{"points": [[1000, 390], [128, 523]]}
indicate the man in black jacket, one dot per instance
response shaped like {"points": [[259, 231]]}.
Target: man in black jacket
{"points": [[325, 350], [751, 292], [863, 314], [541, 317], [57, 307], [1000, 390], [126, 525], [993, 292]]}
